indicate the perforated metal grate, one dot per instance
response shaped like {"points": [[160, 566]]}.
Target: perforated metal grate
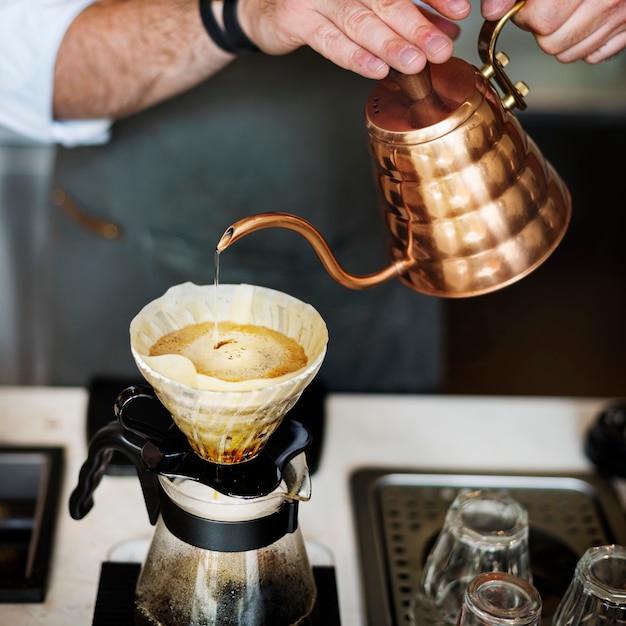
{"points": [[399, 514]]}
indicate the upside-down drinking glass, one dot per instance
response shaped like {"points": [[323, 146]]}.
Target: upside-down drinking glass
{"points": [[484, 531], [500, 599], [597, 594]]}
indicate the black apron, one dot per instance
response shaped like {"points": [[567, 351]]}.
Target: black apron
{"points": [[265, 134]]}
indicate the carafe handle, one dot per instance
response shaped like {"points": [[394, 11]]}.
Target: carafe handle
{"points": [[110, 438], [127, 437]]}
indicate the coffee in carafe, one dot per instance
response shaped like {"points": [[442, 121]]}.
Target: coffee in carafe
{"points": [[186, 585]]}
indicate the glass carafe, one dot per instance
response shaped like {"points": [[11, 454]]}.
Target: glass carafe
{"points": [[248, 566]]}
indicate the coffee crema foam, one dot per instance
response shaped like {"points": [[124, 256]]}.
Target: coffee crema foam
{"points": [[235, 352]]}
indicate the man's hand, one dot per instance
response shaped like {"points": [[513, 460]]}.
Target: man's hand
{"points": [[365, 36], [570, 30], [120, 56]]}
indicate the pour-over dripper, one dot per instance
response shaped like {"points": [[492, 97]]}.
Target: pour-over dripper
{"points": [[226, 422]]}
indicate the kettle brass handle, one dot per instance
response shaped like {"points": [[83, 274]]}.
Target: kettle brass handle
{"points": [[496, 61]]}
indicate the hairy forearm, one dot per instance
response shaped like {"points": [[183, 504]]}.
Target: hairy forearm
{"points": [[121, 56]]}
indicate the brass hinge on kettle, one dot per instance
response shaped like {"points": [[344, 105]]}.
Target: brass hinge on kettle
{"points": [[495, 62]]}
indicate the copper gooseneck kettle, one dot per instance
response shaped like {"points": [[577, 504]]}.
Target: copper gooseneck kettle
{"points": [[469, 202]]}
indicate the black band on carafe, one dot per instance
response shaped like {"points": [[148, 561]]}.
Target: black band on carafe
{"points": [[229, 536]]}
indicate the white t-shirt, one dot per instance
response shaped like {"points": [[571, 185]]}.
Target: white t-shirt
{"points": [[31, 32]]}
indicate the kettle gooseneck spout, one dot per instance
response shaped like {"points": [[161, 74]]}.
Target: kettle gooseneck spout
{"points": [[313, 236]]}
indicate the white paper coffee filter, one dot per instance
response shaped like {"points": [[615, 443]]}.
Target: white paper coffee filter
{"points": [[224, 421]]}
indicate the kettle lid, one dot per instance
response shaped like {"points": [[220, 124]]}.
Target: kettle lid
{"points": [[438, 99]]}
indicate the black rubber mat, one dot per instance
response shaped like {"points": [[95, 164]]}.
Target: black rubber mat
{"points": [[116, 593]]}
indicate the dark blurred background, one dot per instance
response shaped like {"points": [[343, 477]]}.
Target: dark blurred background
{"points": [[562, 329]]}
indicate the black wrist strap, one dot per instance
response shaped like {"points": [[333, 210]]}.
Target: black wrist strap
{"points": [[232, 38]]}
